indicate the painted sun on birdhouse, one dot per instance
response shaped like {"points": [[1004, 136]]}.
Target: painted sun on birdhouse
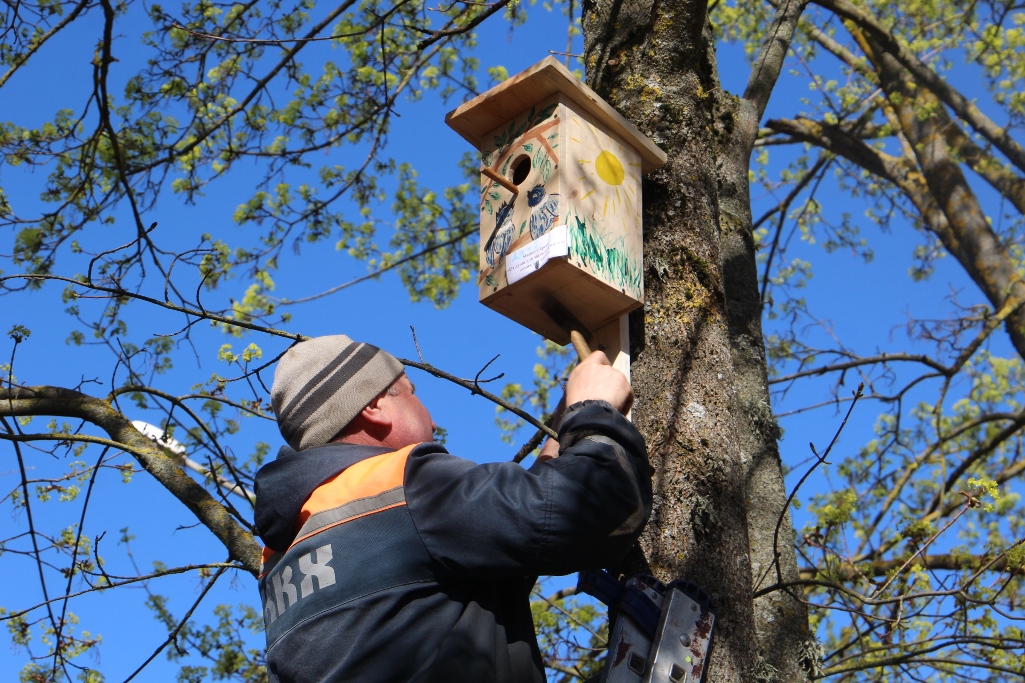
{"points": [[560, 199]]}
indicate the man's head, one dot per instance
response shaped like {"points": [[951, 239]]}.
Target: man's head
{"points": [[322, 384], [396, 418]]}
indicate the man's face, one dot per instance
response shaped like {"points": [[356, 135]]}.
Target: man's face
{"points": [[411, 423]]}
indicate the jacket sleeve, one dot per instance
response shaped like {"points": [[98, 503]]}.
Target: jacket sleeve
{"points": [[581, 510]]}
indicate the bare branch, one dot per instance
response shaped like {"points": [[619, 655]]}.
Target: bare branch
{"points": [[928, 361], [466, 28], [819, 459], [370, 276], [20, 59], [117, 582], [942, 562], [174, 632]]}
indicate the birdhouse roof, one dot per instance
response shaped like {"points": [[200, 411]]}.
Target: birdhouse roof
{"points": [[486, 112]]}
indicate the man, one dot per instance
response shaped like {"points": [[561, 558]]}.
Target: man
{"points": [[388, 559]]}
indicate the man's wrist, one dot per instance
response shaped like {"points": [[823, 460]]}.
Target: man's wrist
{"points": [[580, 405], [568, 436], [591, 402]]}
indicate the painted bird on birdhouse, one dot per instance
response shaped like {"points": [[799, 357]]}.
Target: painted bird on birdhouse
{"points": [[543, 211], [502, 236]]}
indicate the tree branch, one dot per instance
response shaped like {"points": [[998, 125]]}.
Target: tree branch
{"points": [[123, 581], [868, 360], [469, 26], [47, 400], [944, 562], [200, 314], [19, 60], [966, 233], [770, 60], [1000, 178], [174, 632], [924, 75], [379, 271]]}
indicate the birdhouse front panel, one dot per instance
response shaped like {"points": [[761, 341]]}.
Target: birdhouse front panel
{"points": [[571, 231], [525, 152]]}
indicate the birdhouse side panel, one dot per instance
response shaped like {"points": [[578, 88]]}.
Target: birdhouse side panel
{"points": [[526, 153], [603, 187]]}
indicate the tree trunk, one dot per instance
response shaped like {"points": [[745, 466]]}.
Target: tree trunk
{"points": [[699, 362], [654, 62]]}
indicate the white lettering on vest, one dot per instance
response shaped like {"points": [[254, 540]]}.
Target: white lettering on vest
{"points": [[283, 588], [279, 592], [269, 612], [320, 569]]}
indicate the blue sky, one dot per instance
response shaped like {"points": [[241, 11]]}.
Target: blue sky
{"points": [[460, 339], [864, 301]]}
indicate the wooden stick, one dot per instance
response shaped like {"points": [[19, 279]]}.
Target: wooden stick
{"points": [[500, 179]]}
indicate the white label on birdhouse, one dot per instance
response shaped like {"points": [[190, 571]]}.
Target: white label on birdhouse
{"points": [[527, 259]]}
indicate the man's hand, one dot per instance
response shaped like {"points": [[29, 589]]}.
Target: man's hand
{"points": [[594, 378]]}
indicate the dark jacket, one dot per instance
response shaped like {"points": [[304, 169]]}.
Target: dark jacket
{"points": [[416, 565]]}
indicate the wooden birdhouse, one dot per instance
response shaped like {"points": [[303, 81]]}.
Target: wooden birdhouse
{"points": [[560, 200]]}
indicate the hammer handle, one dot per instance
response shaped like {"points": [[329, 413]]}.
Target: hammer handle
{"points": [[580, 344]]}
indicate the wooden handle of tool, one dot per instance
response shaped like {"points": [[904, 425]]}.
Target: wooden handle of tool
{"points": [[580, 344]]}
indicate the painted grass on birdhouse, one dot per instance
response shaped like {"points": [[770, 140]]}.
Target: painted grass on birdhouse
{"points": [[611, 262]]}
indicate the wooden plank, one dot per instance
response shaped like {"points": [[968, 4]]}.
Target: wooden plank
{"points": [[614, 340], [486, 112]]}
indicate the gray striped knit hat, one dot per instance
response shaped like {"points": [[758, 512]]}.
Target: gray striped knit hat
{"points": [[321, 384]]}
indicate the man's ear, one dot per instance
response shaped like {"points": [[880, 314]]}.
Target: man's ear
{"points": [[375, 414]]}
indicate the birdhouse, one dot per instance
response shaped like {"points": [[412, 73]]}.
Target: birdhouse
{"points": [[560, 200]]}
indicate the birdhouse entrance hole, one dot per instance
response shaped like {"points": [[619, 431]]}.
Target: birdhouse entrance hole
{"points": [[520, 169]]}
